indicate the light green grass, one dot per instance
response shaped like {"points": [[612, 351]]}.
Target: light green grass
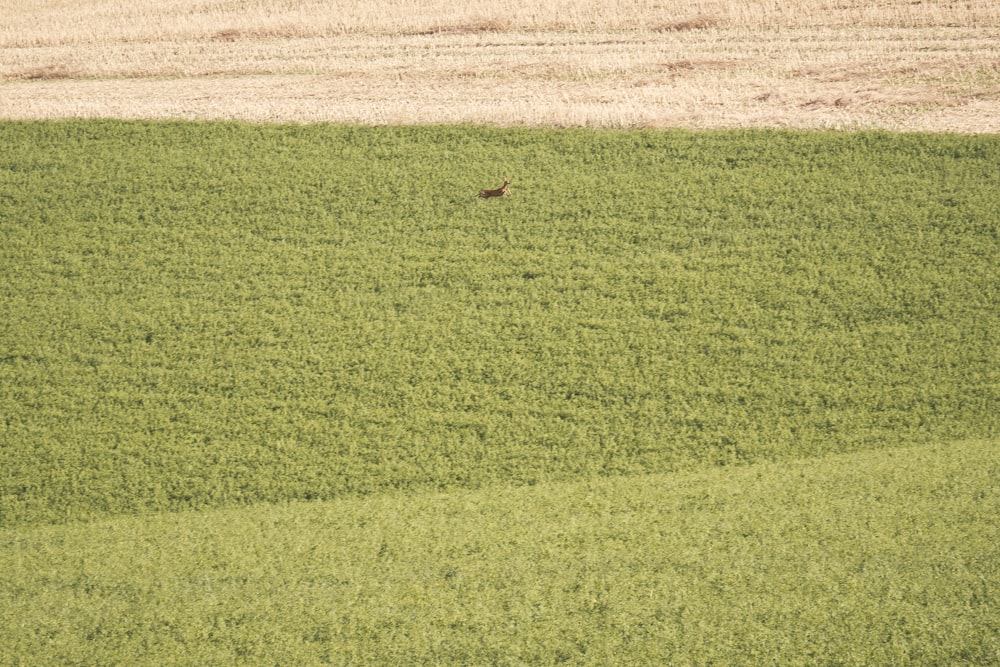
{"points": [[205, 315], [886, 557]]}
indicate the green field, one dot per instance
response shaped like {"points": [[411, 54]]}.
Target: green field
{"points": [[888, 557], [207, 324]]}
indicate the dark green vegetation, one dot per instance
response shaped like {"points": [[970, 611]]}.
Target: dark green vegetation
{"points": [[204, 315], [683, 398]]}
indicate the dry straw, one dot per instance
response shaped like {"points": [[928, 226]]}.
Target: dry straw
{"points": [[811, 63]]}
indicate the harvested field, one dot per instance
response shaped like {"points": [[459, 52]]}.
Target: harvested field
{"points": [[809, 64]]}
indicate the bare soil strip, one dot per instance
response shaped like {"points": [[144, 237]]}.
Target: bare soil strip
{"points": [[806, 64]]}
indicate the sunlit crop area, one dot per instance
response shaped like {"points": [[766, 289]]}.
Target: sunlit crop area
{"points": [[876, 558]]}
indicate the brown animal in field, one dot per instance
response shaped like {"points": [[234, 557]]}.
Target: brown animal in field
{"points": [[499, 192]]}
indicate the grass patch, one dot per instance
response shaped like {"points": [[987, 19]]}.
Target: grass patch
{"points": [[880, 557], [206, 315]]}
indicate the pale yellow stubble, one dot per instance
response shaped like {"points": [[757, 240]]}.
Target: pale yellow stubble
{"points": [[932, 65]]}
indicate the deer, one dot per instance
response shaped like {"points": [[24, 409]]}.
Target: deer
{"points": [[499, 192]]}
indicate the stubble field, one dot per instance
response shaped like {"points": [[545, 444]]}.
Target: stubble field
{"points": [[809, 64]]}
